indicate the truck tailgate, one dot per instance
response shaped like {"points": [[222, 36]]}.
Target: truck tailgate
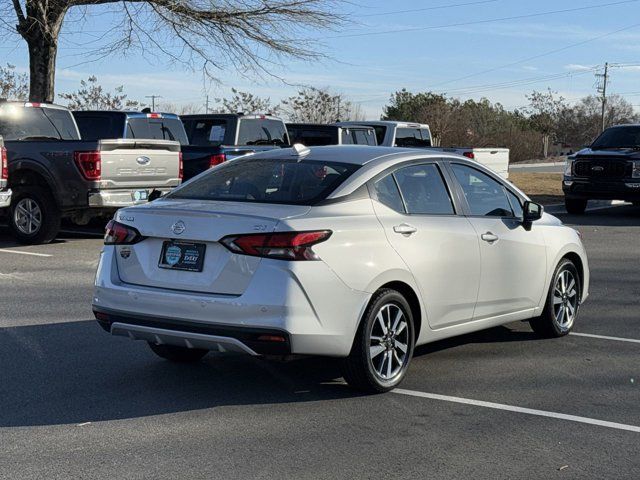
{"points": [[139, 163], [497, 159]]}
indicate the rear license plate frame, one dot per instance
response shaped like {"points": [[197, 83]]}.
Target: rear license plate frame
{"points": [[180, 258]]}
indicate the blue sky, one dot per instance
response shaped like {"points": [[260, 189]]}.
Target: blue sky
{"points": [[429, 45]]}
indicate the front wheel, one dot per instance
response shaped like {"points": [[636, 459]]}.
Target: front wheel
{"points": [[383, 346], [575, 206], [178, 354], [563, 301]]}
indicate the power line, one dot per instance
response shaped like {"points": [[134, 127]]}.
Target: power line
{"points": [[415, 10], [153, 101], [478, 22]]}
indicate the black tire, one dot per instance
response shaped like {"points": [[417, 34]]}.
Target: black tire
{"points": [[575, 206], [547, 325], [178, 354], [45, 209], [358, 369], [636, 204]]}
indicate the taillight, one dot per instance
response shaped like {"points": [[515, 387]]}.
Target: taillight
{"points": [[89, 164], [281, 246], [180, 166], [118, 234], [470, 155], [5, 164], [217, 159]]}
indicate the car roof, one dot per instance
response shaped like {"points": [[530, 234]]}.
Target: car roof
{"points": [[32, 104], [326, 125], [383, 123]]}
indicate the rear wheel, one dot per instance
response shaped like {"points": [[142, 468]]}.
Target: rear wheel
{"points": [[575, 206], [34, 217], [563, 301], [383, 346], [178, 354]]}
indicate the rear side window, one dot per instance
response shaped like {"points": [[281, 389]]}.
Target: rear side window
{"points": [[24, 123], [262, 131], [386, 192], [411, 138], [347, 137], [98, 127], [486, 197], [380, 133], [268, 181], [204, 133], [364, 137], [424, 191], [158, 129]]}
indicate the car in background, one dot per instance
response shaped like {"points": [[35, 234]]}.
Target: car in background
{"points": [[227, 136], [359, 253], [417, 135], [54, 174], [608, 170], [5, 192], [317, 135]]}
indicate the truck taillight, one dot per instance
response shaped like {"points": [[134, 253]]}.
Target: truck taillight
{"points": [[117, 233], [180, 166], [217, 159], [281, 246], [5, 164], [470, 155], [89, 164]]}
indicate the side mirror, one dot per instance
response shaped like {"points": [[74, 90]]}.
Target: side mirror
{"points": [[532, 212]]}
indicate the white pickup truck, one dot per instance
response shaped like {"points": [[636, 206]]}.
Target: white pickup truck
{"points": [[5, 193], [417, 135]]}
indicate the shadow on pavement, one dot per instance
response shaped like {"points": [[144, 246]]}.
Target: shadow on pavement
{"points": [[623, 216]]}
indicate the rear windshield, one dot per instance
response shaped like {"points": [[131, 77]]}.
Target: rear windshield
{"points": [[313, 136], [157, 129], [412, 138], [262, 131], [99, 127], [205, 133], [268, 181], [618, 137], [30, 123]]}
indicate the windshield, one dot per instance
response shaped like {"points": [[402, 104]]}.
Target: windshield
{"points": [[206, 132], [30, 123], [157, 129], [262, 131], [268, 181], [618, 137]]}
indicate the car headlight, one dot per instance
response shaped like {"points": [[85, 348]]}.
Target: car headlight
{"points": [[636, 169], [568, 167]]}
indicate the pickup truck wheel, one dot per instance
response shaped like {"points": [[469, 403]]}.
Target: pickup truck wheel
{"points": [[178, 354], [575, 206], [34, 217], [563, 301]]}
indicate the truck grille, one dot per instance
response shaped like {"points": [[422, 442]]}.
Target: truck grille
{"points": [[604, 169]]}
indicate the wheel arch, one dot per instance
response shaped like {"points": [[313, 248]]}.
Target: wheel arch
{"points": [[412, 298], [30, 175], [574, 258]]}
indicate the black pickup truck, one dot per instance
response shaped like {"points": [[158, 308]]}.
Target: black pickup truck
{"points": [[54, 174], [231, 135], [608, 170]]}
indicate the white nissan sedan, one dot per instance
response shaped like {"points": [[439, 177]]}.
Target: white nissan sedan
{"points": [[353, 252]]}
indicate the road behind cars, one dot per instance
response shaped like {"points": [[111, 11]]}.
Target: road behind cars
{"points": [[77, 403]]}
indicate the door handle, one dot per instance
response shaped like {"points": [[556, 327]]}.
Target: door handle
{"points": [[405, 229], [489, 237]]}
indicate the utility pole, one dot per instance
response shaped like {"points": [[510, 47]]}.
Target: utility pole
{"points": [[603, 79], [153, 101]]}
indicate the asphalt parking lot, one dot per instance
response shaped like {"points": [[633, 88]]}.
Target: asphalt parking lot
{"points": [[77, 403]]}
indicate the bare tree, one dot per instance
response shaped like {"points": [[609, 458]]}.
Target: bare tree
{"points": [[91, 96], [245, 102], [13, 85], [180, 109], [545, 109], [251, 36], [319, 106]]}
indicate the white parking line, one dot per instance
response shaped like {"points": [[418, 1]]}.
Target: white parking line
{"points": [[604, 337], [511, 408], [19, 252]]}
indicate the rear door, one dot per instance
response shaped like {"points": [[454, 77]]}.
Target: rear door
{"points": [[439, 246], [139, 163], [514, 260]]}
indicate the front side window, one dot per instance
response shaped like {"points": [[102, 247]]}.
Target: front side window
{"points": [[516, 204], [486, 197], [423, 190], [268, 181]]}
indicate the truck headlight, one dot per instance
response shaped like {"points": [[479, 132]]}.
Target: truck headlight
{"points": [[636, 169], [568, 167]]}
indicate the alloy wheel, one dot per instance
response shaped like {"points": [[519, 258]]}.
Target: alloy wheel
{"points": [[27, 216], [565, 300], [389, 342]]}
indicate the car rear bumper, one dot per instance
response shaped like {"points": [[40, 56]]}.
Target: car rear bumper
{"points": [[307, 305], [628, 190], [5, 198], [121, 198]]}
